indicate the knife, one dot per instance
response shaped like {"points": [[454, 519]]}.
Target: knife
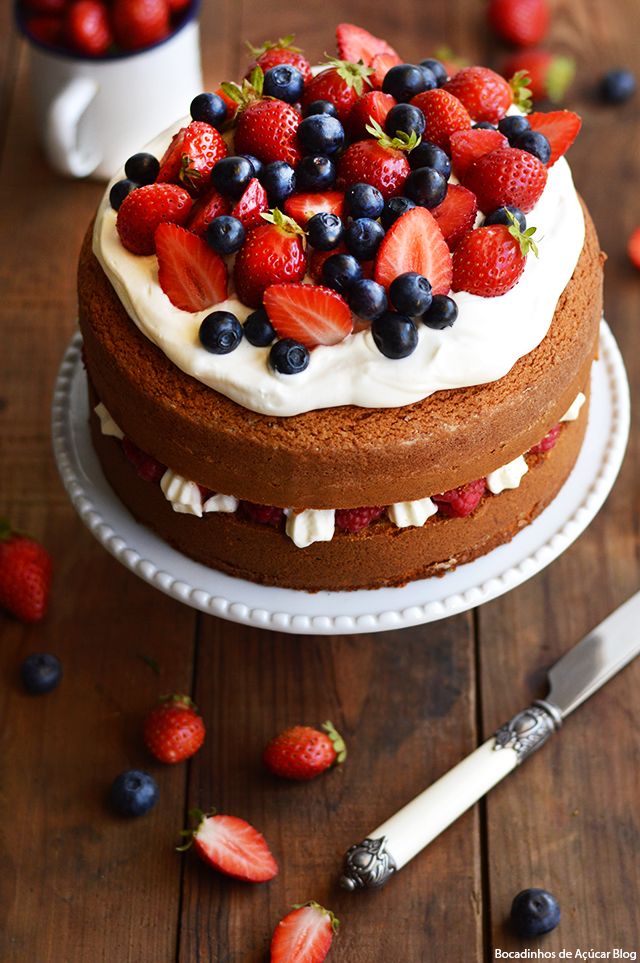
{"points": [[578, 674]]}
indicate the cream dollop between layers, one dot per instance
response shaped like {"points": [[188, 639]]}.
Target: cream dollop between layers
{"points": [[488, 337]]}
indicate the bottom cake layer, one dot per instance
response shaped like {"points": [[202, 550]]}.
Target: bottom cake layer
{"points": [[380, 555]]}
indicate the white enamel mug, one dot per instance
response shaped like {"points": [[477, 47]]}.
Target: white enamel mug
{"points": [[94, 112]]}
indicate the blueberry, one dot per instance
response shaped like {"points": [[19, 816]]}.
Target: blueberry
{"points": [[437, 68], [534, 912], [225, 234], [513, 125], [284, 82], [320, 107], [395, 335], [363, 200], [279, 181], [426, 187], [404, 81], [258, 330], [617, 86], [209, 108], [534, 143], [483, 125], [410, 293], [394, 208], [289, 356], [142, 168], [231, 175], [315, 173], [133, 793], [363, 237], [427, 154], [41, 672], [367, 299], [119, 191], [320, 134], [499, 216], [340, 271], [405, 119], [324, 231], [441, 314], [220, 332], [257, 165]]}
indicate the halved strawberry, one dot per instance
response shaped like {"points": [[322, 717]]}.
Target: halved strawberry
{"points": [[191, 275], [415, 243], [191, 156], [301, 207], [210, 205], [304, 935], [560, 127], [374, 105], [468, 145], [457, 213], [232, 846], [381, 65], [308, 313], [251, 205], [355, 43]]}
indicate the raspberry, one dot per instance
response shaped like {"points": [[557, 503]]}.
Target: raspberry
{"points": [[146, 466], [547, 443], [353, 520], [263, 514], [460, 502]]}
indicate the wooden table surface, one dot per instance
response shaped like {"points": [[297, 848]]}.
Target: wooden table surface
{"points": [[78, 885]]}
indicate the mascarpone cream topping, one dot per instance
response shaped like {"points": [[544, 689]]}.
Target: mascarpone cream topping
{"points": [[488, 337], [107, 424], [405, 514], [509, 476], [311, 525], [574, 408]]}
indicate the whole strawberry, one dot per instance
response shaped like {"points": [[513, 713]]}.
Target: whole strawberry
{"points": [[508, 176], [270, 54], [490, 260], [380, 160], [25, 575], [173, 730], [486, 95], [524, 23], [266, 129], [191, 156], [144, 209], [272, 253], [303, 752], [341, 84], [140, 23], [443, 114], [373, 105], [304, 935], [87, 27]]}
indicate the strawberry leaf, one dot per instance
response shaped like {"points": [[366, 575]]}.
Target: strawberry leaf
{"points": [[524, 238], [282, 221], [354, 75], [401, 141], [284, 43], [336, 740], [560, 74], [519, 84]]}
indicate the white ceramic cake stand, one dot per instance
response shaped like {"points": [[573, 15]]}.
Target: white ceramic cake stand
{"points": [[332, 613]]}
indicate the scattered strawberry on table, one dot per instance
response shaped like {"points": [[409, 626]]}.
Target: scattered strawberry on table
{"points": [[25, 575], [230, 845], [304, 935], [174, 729], [303, 752]]}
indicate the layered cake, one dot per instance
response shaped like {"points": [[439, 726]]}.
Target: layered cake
{"points": [[339, 323]]}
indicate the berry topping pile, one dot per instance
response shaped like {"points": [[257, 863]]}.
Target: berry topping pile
{"points": [[323, 201]]}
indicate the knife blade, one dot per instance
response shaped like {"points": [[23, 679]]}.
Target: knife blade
{"points": [[576, 676]]}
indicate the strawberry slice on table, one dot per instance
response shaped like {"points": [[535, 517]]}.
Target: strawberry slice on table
{"points": [[341, 84], [272, 53], [356, 43], [231, 845], [560, 127], [310, 314], [251, 205], [508, 176], [380, 66], [302, 207], [25, 575], [490, 260], [373, 105], [380, 160], [304, 935], [272, 253], [144, 209], [191, 275], [457, 213], [468, 145], [211, 204], [191, 156], [443, 114], [415, 243]]}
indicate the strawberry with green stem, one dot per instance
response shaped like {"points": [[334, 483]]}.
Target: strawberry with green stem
{"points": [[25, 575], [266, 128], [303, 752], [191, 156], [271, 54], [273, 253], [341, 83], [379, 160], [490, 260], [230, 845]]}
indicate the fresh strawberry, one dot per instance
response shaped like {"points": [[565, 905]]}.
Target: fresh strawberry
{"points": [[303, 752], [263, 514], [230, 104], [139, 23], [523, 23], [251, 205], [380, 66], [191, 275], [354, 520], [633, 248], [267, 129], [341, 84], [173, 730], [191, 156], [303, 206], [507, 176], [548, 442], [486, 95], [147, 467], [373, 105], [232, 846], [211, 204], [443, 114], [304, 935], [49, 30], [144, 209], [468, 145], [560, 127], [457, 213], [356, 44], [380, 160], [490, 260], [462, 501], [415, 243], [272, 253], [87, 27], [308, 313], [270, 54], [46, 7], [317, 259], [550, 76], [25, 575]]}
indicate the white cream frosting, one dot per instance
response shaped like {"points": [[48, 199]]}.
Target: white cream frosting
{"points": [[184, 495], [509, 476], [488, 337], [311, 525], [107, 424], [221, 503], [405, 514], [573, 410]]}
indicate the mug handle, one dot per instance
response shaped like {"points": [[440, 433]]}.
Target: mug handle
{"points": [[61, 133]]}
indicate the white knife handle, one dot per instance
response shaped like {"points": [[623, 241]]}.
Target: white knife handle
{"points": [[389, 847]]}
